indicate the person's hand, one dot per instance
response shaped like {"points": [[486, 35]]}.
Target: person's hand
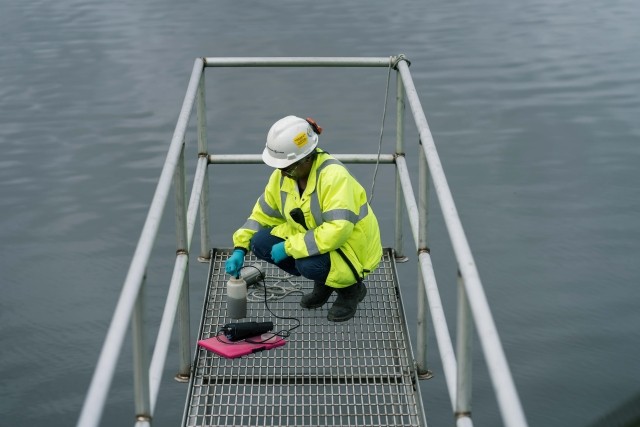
{"points": [[234, 263], [278, 253]]}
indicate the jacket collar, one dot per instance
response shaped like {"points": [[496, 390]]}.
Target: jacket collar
{"points": [[290, 186]]}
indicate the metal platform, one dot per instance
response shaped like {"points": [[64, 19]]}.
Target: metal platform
{"points": [[356, 373], [361, 372]]}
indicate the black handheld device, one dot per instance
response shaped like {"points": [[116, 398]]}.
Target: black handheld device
{"points": [[242, 330]]}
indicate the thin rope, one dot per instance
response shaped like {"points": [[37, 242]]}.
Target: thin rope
{"points": [[384, 114], [275, 291]]}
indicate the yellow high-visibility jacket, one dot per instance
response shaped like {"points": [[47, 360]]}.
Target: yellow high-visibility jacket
{"points": [[336, 213]]}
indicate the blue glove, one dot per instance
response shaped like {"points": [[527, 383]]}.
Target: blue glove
{"points": [[278, 253], [234, 263]]}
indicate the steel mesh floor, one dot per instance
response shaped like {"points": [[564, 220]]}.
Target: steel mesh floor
{"points": [[354, 373]]}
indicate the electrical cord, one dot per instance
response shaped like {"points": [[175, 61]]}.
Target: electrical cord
{"points": [[272, 293], [285, 332]]}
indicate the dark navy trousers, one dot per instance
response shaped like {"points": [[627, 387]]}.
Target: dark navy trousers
{"points": [[315, 267]]}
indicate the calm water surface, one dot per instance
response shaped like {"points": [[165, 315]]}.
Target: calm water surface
{"points": [[534, 106]]}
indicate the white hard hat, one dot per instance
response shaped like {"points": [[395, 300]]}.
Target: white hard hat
{"points": [[289, 140]]}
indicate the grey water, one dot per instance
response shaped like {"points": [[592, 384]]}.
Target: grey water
{"points": [[534, 108]]}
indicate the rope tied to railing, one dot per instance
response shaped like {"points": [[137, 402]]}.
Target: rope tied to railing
{"points": [[393, 64], [395, 60]]}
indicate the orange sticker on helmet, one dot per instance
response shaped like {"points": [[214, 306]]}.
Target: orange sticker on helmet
{"points": [[301, 139]]}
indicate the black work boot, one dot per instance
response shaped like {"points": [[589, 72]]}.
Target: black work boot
{"points": [[318, 297], [345, 306]]}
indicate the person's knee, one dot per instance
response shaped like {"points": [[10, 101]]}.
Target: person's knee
{"points": [[315, 267], [261, 244]]}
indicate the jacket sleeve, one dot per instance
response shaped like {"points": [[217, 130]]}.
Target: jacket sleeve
{"points": [[340, 206], [265, 214]]}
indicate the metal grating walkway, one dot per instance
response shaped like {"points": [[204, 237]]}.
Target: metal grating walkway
{"points": [[356, 373]]}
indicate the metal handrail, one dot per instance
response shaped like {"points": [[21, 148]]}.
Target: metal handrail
{"points": [[105, 369], [504, 387], [472, 304]]}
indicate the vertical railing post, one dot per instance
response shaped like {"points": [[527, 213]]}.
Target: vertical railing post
{"points": [[140, 357], [184, 369], [463, 350], [203, 150], [399, 244], [423, 246], [182, 249]]}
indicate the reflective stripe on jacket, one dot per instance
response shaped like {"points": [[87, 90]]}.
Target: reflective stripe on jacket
{"points": [[336, 213]]}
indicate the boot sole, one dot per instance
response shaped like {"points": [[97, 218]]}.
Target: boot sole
{"points": [[317, 305]]}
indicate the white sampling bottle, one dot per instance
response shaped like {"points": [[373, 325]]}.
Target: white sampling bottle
{"points": [[237, 298]]}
